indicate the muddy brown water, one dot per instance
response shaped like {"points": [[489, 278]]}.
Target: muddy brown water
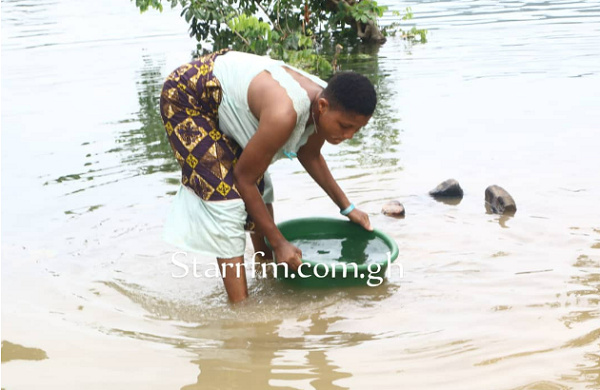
{"points": [[503, 93]]}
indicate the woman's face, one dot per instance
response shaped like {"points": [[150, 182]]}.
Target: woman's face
{"points": [[336, 125]]}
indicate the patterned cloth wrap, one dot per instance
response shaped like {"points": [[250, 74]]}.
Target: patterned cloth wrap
{"points": [[189, 105]]}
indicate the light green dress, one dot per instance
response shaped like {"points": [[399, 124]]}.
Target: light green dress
{"points": [[217, 228]]}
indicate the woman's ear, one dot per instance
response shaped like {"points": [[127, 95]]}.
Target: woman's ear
{"points": [[323, 105]]}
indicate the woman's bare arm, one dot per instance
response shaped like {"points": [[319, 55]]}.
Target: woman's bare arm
{"points": [[277, 120], [313, 161]]}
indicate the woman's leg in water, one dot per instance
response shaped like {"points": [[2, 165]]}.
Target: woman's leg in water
{"points": [[233, 272]]}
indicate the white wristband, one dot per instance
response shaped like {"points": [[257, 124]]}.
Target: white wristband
{"points": [[347, 210]]}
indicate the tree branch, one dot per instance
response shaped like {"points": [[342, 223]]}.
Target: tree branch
{"points": [[257, 2], [235, 32]]}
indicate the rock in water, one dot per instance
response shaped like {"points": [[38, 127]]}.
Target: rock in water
{"points": [[448, 189], [393, 209], [500, 201]]}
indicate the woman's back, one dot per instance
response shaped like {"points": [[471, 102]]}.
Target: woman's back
{"points": [[235, 71]]}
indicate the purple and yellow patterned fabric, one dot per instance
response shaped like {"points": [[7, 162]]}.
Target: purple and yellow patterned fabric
{"points": [[189, 105]]}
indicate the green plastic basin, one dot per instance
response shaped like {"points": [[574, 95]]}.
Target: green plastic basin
{"points": [[337, 253]]}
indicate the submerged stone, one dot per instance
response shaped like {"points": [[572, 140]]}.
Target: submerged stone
{"points": [[393, 209], [499, 200], [447, 189]]}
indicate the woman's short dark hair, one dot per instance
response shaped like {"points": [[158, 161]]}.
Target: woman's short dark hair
{"points": [[351, 91]]}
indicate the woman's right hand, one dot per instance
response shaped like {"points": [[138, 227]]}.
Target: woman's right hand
{"points": [[288, 253]]}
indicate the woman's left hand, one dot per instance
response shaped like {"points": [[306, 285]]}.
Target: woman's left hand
{"points": [[359, 217]]}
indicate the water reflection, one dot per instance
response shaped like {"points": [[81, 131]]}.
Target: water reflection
{"points": [[448, 200], [502, 219], [375, 145], [255, 355], [280, 338], [586, 294], [147, 147], [590, 375], [142, 148]]}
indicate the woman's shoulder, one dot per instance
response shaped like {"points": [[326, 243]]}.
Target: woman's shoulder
{"points": [[311, 77], [244, 60]]}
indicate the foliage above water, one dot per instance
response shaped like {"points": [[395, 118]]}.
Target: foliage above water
{"points": [[290, 30]]}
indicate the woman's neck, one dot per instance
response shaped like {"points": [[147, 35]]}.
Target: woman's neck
{"points": [[314, 108]]}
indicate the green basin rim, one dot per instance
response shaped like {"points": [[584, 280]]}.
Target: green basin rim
{"points": [[306, 227]]}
